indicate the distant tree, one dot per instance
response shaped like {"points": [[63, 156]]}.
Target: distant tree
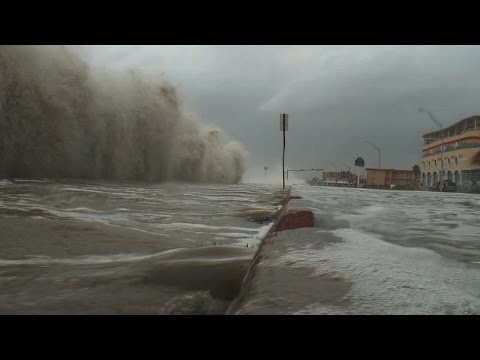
{"points": [[416, 170]]}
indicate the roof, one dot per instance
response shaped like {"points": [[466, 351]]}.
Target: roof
{"points": [[452, 126], [376, 169]]}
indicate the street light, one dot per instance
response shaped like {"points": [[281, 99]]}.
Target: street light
{"points": [[440, 126], [349, 174], [378, 149], [354, 162], [354, 172]]}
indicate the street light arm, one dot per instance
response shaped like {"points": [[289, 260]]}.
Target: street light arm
{"points": [[373, 145]]}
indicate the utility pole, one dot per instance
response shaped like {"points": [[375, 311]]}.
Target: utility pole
{"points": [[283, 127], [354, 172], [265, 168], [440, 126], [376, 148], [349, 174]]}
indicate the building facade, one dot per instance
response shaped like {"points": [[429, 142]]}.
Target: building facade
{"points": [[456, 150], [386, 178], [339, 178]]}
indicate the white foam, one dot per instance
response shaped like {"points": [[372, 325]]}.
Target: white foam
{"points": [[34, 181], [85, 190], [206, 227], [263, 230], [253, 241], [83, 260], [387, 278], [233, 235]]}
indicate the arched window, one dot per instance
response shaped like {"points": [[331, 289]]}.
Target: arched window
{"points": [[456, 160]]}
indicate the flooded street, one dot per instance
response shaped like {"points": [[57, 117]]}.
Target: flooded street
{"points": [[107, 248], [372, 252], [137, 248]]}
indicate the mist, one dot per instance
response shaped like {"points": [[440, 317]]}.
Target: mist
{"points": [[60, 117]]}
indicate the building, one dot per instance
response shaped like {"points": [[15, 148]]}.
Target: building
{"points": [[338, 178], [386, 178], [457, 147]]}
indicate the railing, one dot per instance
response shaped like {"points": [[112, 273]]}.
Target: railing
{"points": [[448, 148]]}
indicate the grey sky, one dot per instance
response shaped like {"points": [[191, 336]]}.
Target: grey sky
{"points": [[336, 96]]}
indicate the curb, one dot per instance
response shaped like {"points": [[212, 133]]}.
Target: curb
{"points": [[288, 219]]}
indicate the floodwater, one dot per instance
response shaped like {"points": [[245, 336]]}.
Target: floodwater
{"points": [[82, 247], [373, 252]]}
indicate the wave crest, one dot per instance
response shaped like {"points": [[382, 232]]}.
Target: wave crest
{"points": [[60, 118]]}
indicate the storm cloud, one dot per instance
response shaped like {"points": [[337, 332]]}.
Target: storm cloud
{"points": [[337, 97]]}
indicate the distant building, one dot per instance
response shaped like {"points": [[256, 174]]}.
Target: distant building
{"points": [[338, 178], [461, 153], [386, 178]]}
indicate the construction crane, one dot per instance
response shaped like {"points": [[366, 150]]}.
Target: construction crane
{"points": [[440, 126], [429, 113]]}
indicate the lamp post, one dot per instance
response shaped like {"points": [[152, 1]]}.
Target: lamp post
{"points": [[349, 174], [354, 172], [376, 148], [283, 128], [440, 126]]}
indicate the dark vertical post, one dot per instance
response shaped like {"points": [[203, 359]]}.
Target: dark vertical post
{"points": [[283, 162], [283, 127]]}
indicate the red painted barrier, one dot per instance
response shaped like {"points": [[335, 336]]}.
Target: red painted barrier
{"points": [[294, 219]]}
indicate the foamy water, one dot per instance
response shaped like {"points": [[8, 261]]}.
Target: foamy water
{"points": [[375, 252], [131, 247]]}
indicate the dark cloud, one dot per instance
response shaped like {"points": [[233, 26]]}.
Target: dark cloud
{"points": [[337, 96]]}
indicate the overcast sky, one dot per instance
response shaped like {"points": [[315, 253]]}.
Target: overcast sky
{"points": [[337, 97]]}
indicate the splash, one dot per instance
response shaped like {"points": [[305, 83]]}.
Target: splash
{"points": [[61, 118]]}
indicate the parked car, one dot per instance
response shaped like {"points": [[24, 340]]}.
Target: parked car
{"points": [[444, 186]]}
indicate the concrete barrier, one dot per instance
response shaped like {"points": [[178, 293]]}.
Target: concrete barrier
{"points": [[289, 218]]}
